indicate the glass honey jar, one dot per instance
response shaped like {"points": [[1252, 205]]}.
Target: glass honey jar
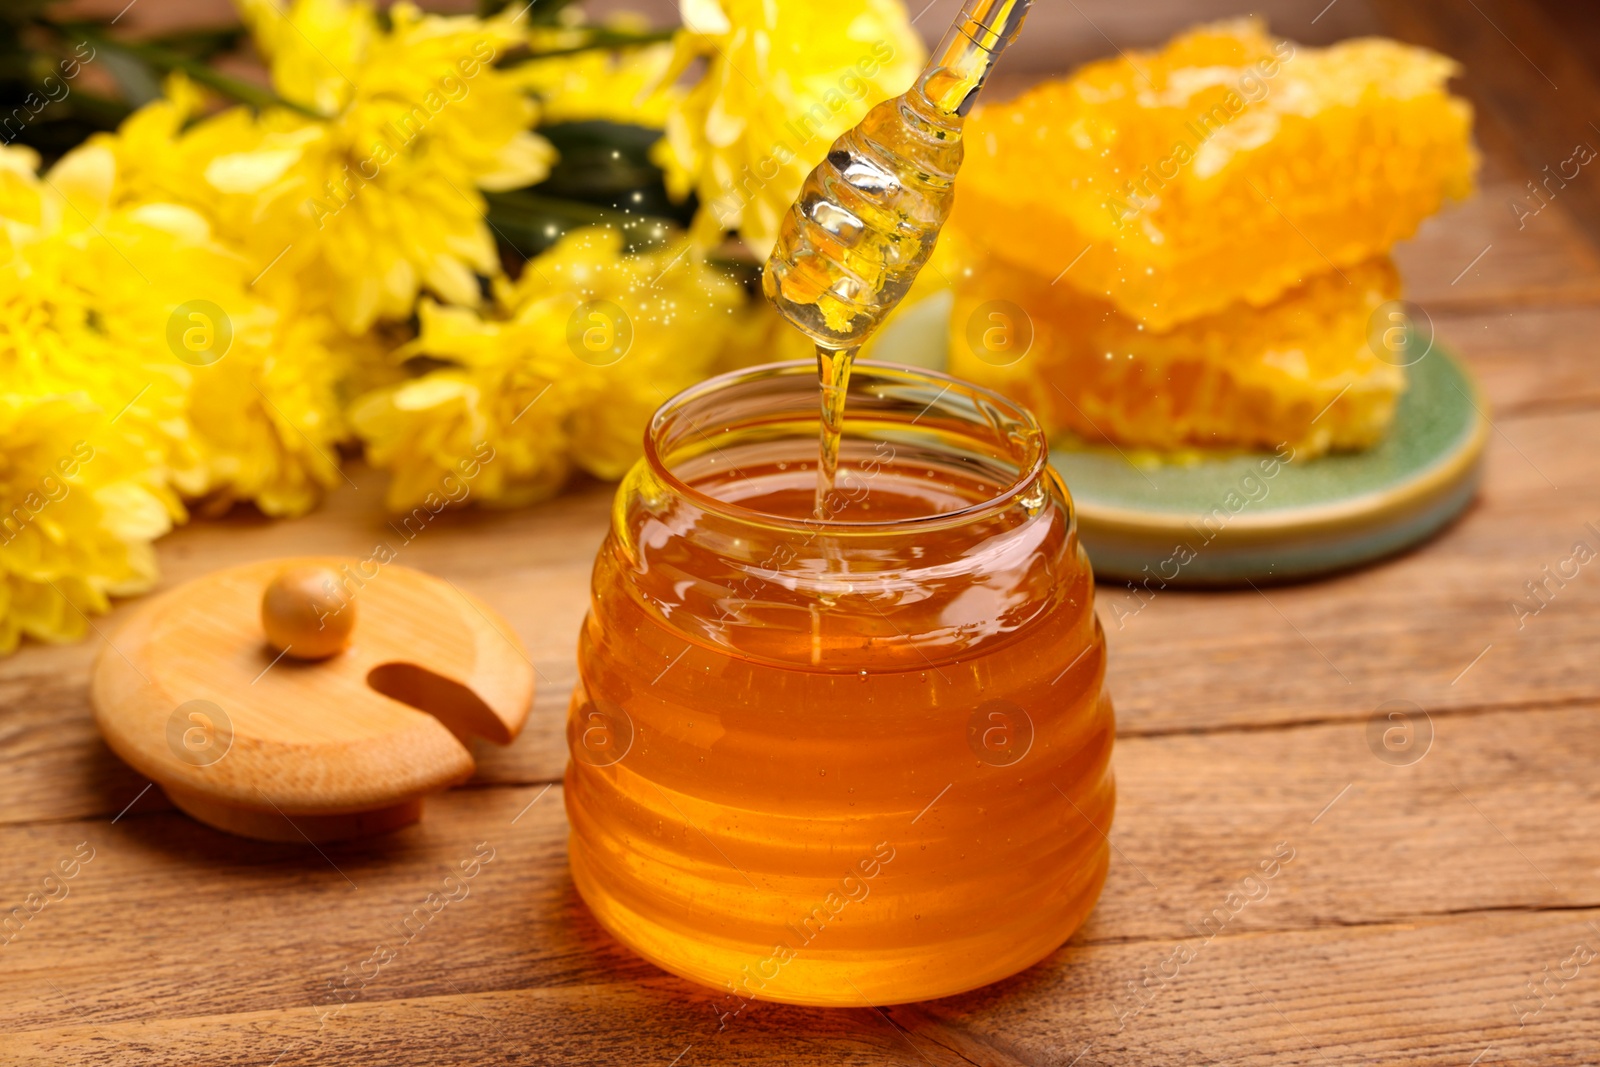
{"points": [[848, 756]]}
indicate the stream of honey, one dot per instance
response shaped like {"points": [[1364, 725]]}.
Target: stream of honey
{"points": [[833, 373]]}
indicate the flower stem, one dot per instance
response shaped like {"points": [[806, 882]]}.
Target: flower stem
{"points": [[164, 60], [599, 38]]}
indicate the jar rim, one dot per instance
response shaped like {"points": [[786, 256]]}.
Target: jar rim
{"points": [[1029, 468]]}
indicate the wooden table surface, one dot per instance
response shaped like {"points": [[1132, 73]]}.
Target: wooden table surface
{"points": [[1420, 903]]}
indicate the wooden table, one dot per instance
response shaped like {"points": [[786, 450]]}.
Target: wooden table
{"points": [[1420, 902]]}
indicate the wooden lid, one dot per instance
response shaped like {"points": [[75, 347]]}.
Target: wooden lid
{"points": [[189, 693]]}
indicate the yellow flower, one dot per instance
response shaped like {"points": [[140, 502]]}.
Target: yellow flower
{"points": [[82, 309], [267, 414], [315, 48], [566, 373], [91, 416], [167, 152], [486, 424], [624, 85], [259, 407], [76, 517], [360, 209], [783, 78]]}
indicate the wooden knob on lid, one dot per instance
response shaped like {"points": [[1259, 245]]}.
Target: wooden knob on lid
{"points": [[306, 613]]}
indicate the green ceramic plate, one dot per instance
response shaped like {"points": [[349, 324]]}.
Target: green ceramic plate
{"points": [[1245, 518]]}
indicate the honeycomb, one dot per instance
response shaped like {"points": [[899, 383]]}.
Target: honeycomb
{"points": [[1229, 166], [1299, 372]]}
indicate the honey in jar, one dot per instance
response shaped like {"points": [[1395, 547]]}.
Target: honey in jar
{"points": [[848, 754]]}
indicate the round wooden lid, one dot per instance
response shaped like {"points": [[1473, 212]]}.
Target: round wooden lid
{"points": [[256, 742]]}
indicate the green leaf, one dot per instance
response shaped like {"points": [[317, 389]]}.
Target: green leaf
{"points": [[201, 44], [633, 141], [605, 163], [133, 76]]}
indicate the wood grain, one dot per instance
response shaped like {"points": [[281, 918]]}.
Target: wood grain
{"points": [[1374, 881], [1420, 901]]}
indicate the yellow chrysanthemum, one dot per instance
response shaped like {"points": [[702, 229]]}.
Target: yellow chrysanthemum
{"points": [[91, 421], [781, 81], [624, 85], [80, 291], [267, 414], [581, 350], [260, 410], [387, 200], [379, 198], [76, 517]]}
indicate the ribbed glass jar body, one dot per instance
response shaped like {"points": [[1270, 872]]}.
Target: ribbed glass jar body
{"points": [[856, 757]]}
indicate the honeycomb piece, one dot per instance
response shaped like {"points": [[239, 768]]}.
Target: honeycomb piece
{"points": [[1299, 372], [1228, 166]]}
